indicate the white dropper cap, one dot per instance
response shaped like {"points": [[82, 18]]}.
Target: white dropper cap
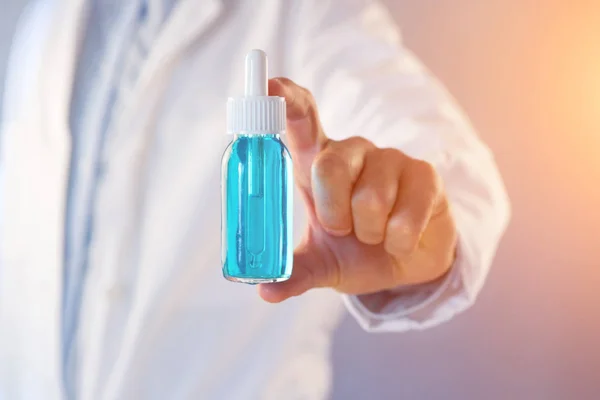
{"points": [[256, 73], [256, 112]]}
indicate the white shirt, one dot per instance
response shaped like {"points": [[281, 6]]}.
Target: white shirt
{"points": [[157, 320]]}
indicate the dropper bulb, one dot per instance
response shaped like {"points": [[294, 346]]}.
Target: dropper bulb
{"points": [[256, 73]]}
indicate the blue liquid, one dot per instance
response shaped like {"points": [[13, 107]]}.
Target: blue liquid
{"points": [[256, 224]]}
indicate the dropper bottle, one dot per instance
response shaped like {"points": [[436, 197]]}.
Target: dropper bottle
{"points": [[257, 184]]}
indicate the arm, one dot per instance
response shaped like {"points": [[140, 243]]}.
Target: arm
{"points": [[366, 84]]}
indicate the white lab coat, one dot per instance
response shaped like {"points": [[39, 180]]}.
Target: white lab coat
{"points": [[157, 319]]}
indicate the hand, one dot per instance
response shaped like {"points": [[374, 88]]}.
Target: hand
{"points": [[377, 217]]}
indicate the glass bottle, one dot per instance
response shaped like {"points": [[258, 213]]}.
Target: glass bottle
{"points": [[257, 184]]}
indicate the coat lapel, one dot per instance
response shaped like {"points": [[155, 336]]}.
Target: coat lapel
{"points": [[59, 67], [134, 131]]}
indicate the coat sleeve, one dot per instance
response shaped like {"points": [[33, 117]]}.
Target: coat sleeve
{"points": [[349, 54]]}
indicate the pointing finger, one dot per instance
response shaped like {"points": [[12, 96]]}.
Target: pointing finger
{"points": [[304, 131]]}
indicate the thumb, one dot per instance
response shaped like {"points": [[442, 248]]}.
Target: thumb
{"points": [[304, 131], [312, 269]]}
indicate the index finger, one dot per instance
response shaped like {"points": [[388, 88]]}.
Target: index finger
{"points": [[304, 129]]}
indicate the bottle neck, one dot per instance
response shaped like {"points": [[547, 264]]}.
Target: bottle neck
{"points": [[275, 136]]}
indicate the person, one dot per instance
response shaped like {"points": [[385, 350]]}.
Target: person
{"points": [[113, 130]]}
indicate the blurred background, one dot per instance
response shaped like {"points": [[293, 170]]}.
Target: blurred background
{"points": [[528, 74]]}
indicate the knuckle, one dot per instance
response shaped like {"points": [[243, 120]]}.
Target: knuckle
{"points": [[429, 196], [299, 100], [390, 154], [329, 165], [359, 141], [426, 172], [443, 205], [284, 81], [409, 237], [372, 201], [402, 236], [307, 97], [431, 185], [308, 94]]}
